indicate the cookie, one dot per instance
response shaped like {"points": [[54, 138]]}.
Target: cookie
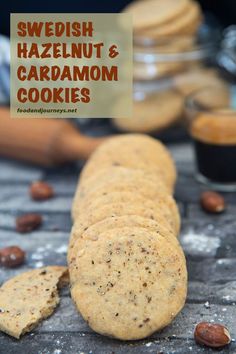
{"points": [[115, 173], [147, 189], [156, 111], [192, 81], [97, 198], [190, 18], [137, 151], [144, 208], [84, 220], [164, 211], [163, 204], [30, 297], [110, 173], [93, 232], [125, 221], [154, 12], [127, 269], [219, 97], [130, 283]]}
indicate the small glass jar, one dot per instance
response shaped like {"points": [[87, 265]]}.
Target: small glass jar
{"points": [[211, 114]]}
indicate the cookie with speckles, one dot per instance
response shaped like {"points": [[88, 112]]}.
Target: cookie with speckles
{"points": [[114, 173], [137, 151], [154, 200], [30, 297], [130, 283], [160, 204], [117, 179], [164, 204], [91, 217], [93, 232]]}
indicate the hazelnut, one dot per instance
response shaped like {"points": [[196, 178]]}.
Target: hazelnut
{"points": [[212, 202], [212, 335], [12, 256], [28, 222], [41, 191]]}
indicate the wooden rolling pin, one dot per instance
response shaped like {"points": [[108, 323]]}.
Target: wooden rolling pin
{"points": [[43, 141]]}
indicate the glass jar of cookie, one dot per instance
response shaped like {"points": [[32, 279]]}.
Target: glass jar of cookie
{"points": [[174, 53]]}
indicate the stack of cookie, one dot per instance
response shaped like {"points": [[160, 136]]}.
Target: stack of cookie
{"points": [[162, 18], [127, 269]]}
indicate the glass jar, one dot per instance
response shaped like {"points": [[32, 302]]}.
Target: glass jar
{"points": [[211, 116], [166, 71]]}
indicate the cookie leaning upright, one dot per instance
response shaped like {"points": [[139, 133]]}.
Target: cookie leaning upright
{"points": [[131, 282], [136, 151], [127, 270]]}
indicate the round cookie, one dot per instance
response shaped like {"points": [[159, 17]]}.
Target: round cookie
{"points": [[164, 204], [165, 212], [154, 12], [109, 177], [130, 283], [148, 190], [156, 111], [192, 28], [163, 209], [91, 217], [82, 224], [113, 173], [192, 81], [125, 221], [188, 19], [136, 151], [93, 232]]}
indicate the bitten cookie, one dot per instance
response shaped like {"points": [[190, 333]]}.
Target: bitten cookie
{"points": [[30, 297]]}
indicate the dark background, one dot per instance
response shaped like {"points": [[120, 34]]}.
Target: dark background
{"points": [[224, 10]]}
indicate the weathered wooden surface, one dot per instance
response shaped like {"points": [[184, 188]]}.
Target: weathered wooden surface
{"points": [[209, 243]]}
